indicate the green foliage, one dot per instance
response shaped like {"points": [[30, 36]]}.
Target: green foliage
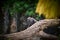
{"points": [[27, 7], [17, 7], [37, 17], [30, 12]]}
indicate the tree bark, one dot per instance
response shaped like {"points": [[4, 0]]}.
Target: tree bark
{"points": [[36, 29]]}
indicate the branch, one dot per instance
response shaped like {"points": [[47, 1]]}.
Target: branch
{"points": [[35, 28]]}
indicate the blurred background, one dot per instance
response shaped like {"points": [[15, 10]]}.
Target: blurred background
{"points": [[17, 15]]}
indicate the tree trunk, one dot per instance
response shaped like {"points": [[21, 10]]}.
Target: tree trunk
{"points": [[36, 30], [13, 27], [6, 20]]}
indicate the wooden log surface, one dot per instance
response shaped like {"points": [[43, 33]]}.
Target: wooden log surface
{"points": [[35, 29]]}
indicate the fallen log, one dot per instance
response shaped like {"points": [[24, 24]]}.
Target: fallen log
{"points": [[35, 29]]}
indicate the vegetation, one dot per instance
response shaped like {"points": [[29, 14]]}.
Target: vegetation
{"points": [[26, 7], [20, 6]]}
